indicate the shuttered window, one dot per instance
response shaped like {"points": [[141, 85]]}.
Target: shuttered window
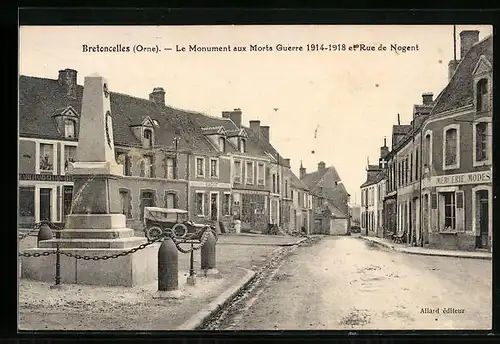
{"points": [[434, 201]]}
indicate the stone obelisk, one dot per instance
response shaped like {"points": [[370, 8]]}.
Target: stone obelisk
{"points": [[96, 226]]}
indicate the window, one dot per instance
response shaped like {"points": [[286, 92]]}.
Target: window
{"points": [[274, 183], [481, 141], [27, 201], [237, 171], [278, 184], [147, 200], [451, 147], [286, 188], [125, 202], [214, 168], [222, 144], [428, 154], [69, 128], [417, 171], [200, 203], [200, 167], [260, 174], [67, 199], [69, 156], [147, 167], [226, 205], [249, 173], [411, 168], [482, 95], [46, 157], [243, 145], [449, 210], [148, 138], [170, 200], [170, 174]]}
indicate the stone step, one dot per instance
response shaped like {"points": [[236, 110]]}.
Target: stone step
{"points": [[93, 243], [90, 233]]}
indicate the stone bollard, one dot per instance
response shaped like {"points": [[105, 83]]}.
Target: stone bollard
{"points": [[168, 271], [44, 233], [208, 256]]}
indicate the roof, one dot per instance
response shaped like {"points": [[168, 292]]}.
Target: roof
{"points": [[335, 212], [374, 178], [321, 178], [460, 91], [39, 98], [295, 182], [401, 129]]}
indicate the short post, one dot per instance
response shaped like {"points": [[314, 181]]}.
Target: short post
{"points": [[44, 233], [208, 255], [168, 266], [191, 280], [58, 269]]}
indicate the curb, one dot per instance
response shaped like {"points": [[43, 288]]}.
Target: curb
{"points": [[213, 307], [264, 244], [403, 250]]}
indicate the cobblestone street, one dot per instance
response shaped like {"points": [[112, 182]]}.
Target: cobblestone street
{"points": [[345, 283]]}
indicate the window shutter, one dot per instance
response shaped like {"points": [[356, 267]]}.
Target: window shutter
{"points": [[433, 200], [176, 201], [206, 203], [143, 168], [460, 216]]}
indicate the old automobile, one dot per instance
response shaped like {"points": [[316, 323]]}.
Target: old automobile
{"points": [[160, 221]]}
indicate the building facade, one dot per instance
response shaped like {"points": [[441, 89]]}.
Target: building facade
{"points": [[215, 168]]}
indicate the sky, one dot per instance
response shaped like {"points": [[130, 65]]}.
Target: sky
{"points": [[332, 106]]}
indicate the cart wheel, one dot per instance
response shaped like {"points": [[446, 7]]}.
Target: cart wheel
{"points": [[180, 230], [153, 233]]}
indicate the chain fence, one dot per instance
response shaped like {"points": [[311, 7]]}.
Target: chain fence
{"points": [[203, 234]]}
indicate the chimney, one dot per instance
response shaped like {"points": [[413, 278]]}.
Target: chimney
{"points": [[157, 96], [427, 98], [67, 78], [321, 166], [264, 130], [467, 39], [234, 116], [452, 66], [384, 150], [302, 171], [255, 126], [286, 163]]}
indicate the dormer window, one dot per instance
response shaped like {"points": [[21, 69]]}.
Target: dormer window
{"points": [[147, 140], [482, 95], [155, 123], [69, 128], [243, 145], [222, 144]]}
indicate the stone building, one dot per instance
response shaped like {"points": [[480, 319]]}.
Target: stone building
{"points": [[325, 184], [301, 212], [214, 167]]}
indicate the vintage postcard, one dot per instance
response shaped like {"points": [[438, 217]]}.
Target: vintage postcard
{"points": [[301, 177]]}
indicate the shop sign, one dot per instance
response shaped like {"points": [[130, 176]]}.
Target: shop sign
{"points": [[480, 177], [45, 177]]}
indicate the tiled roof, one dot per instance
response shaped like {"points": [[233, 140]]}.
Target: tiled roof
{"points": [[295, 182], [326, 177], [373, 167], [336, 212], [39, 98], [459, 92]]}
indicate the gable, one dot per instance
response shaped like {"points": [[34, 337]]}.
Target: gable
{"points": [[70, 112], [482, 66], [147, 122]]}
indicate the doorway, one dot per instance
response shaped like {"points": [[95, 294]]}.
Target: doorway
{"points": [[45, 204], [482, 239], [214, 209]]}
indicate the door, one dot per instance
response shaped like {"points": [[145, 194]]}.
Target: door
{"points": [[214, 214], [483, 218], [45, 204], [425, 224]]}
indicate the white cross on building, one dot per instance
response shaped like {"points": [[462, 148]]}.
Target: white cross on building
{"points": [[383, 162]]}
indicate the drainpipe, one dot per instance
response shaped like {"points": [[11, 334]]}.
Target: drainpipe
{"points": [[188, 154], [420, 181]]}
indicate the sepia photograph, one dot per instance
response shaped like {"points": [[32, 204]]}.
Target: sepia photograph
{"points": [[255, 177]]}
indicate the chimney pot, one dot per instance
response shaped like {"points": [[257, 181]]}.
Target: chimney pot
{"points": [[157, 96], [302, 171], [234, 116], [321, 166], [264, 130], [467, 39]]}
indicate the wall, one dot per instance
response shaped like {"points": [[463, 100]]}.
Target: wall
{"points": [[338, 226], [27, 152], [460, 241]]}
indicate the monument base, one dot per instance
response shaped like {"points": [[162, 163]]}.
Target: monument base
{"points": [[132, 270]]}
